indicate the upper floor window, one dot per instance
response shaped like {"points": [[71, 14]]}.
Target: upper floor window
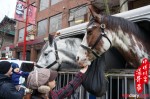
{"points": [[78, 15], [55, 23], [21, 35], [44, 4], [21, 32], [42, 27], [55, 1]]}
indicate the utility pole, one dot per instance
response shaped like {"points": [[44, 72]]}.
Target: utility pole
{"points": [[25, 32]]}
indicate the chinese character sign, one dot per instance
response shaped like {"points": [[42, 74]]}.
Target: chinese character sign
{"points": [[19, 12], [141, 75]]}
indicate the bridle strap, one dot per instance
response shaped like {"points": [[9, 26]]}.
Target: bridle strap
{"points": [[103, 34], [57, 58], [89, 49]]}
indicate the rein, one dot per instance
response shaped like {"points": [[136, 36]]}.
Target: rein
{"points": [[103, 34]]}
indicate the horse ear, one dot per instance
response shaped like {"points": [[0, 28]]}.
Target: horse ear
{"points": [[94, 14], [50, 38]]}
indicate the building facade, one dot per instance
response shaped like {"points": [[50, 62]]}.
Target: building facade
{"points": [[53, 15], [7, 32]]}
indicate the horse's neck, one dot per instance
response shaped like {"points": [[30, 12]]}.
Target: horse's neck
{"points": [[66, 51], [130, 47]]}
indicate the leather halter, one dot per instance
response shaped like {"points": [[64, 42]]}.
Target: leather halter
{"points": [[102, 34], [56, 61]]}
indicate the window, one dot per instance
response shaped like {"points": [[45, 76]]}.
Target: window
{"points": [[42, 27], [30, 27], [44, 4], [21, 35], [55, 23], [55, 1], [78, 15], [21, 32]]}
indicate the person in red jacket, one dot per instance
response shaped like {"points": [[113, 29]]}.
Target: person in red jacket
{"points": [[42, 81]]}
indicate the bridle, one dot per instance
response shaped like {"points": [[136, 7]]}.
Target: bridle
{"points": [[102, 34], [57, 58]]}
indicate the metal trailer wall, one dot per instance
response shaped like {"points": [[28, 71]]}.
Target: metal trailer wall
{"points": [[121, 86]]}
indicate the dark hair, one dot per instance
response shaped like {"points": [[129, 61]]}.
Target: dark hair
{"points": [[38, 95]]}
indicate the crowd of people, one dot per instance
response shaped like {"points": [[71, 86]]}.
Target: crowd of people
{"points": [[39, 83]]}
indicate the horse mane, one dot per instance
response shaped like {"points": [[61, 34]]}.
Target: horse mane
{"points": [[115, 23]]}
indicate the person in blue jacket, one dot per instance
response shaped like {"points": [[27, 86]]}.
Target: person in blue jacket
{"points": [[7, 88], [17, 74]]}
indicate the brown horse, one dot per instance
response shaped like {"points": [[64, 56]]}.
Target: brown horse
{"points": [[104, 32]]}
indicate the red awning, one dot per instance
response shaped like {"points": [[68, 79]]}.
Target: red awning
{"points": [[38, 40]]}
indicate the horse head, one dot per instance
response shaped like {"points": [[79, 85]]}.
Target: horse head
{"points": [[59, 53], [104, 32], [48, 54], [95, 41]]}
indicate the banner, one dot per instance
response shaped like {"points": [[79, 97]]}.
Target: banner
{"points": [[19, 12], [141, 75], [31, 14]]}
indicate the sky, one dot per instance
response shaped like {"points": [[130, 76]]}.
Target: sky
{"points": [[7, 7]]}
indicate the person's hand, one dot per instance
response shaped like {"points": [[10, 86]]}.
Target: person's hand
{"points": [[83, 70], [18, 87], [27, 90]]}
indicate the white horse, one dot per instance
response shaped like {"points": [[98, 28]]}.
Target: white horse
{"points": [[59, 54]]}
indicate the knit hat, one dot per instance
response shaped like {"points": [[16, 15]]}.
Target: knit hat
{"points": [[39, 77], [14, 65], [4, 67]]}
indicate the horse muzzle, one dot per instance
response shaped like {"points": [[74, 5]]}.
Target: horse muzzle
{"points": [[83, 63]]}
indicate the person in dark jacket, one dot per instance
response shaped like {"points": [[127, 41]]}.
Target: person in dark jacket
{"points": [[43, 82], [7, 89]]}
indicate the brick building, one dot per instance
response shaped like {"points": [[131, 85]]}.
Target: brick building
{"points": [[53, 15]]}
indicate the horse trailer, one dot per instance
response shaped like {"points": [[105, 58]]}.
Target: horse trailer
{"points": [[121, 79]]}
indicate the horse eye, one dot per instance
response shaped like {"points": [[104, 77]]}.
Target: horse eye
{"points": [[89, 32]]}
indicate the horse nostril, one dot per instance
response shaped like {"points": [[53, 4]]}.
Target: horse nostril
{"points": [[77, 58]]}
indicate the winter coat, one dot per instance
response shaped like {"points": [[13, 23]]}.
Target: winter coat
{"points": [[8, 90]]}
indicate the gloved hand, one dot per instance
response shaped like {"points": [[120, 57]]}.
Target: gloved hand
{"points": [[27, 91], [44, 89]]}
